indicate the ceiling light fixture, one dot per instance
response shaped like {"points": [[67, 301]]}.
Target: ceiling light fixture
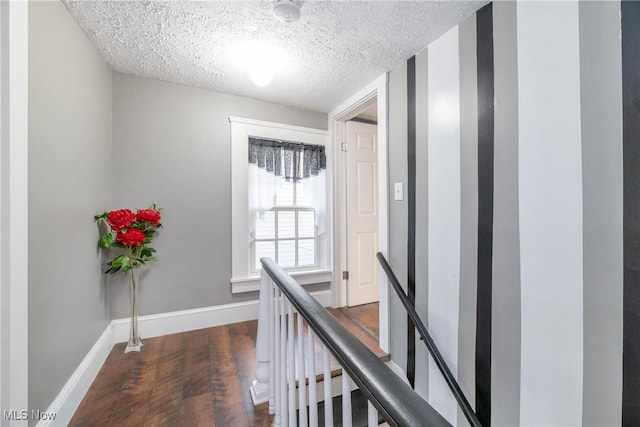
{"points": [[260, 60], [286, 10], [261, 76]]}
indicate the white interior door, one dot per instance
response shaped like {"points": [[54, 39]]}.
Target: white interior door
{"points": [[362, 212]]}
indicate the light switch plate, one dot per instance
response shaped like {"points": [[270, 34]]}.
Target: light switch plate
{"points": [[398, 192]]}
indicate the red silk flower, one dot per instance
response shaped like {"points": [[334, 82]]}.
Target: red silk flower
{"points": [[132, 237], [151, 216], [121, 218]]}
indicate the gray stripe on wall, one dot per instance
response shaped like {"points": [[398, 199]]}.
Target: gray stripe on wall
{"points": [[505, 341], [602, 192], [422, 216], [397, 150], [469, 210]]}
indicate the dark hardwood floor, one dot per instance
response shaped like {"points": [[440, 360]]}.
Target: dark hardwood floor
{"points": [[197, 378]]}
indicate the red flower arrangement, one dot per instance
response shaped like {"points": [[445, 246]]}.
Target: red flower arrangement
{"points": [[132, 232]]}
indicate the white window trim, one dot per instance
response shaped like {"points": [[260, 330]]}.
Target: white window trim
{"points": [[252, 283], [241, 278]]}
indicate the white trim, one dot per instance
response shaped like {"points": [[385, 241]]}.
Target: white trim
{"points": [[74, 390], [69, 398], [377, 88], [14, 208], [274, 125], [156, 325], [251, 284], [241, 129]]}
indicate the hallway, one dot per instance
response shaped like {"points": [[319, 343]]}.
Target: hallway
{"points": [[196, 378]]}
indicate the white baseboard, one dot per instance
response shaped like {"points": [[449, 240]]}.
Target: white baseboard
{"points": [[67, 401], [156, 325]]}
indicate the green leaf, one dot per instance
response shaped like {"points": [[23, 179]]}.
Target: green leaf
{"points": [[102, 216], [106, 241], [120, 261]]}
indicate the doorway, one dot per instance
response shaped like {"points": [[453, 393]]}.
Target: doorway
{"points": [[374, 97], [361, 203]]}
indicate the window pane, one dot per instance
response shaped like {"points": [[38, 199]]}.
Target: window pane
{"points": [[266, 226], [286, 224], [264, 249], [306, 224], [306, 252], [284, 197], [287, 253]]}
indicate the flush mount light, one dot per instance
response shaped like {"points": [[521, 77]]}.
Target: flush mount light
{"points": [[286, 10], [261, 76], [260, 60]]}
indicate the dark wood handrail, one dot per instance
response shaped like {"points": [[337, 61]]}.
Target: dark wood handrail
{"points": [[431, 346], [398, 403]]}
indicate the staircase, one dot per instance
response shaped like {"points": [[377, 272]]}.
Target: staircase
{"points": [[308, 355], [362, 327], [365, 329]]}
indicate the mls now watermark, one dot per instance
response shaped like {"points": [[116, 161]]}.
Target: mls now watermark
{"points": [[22, 415]]}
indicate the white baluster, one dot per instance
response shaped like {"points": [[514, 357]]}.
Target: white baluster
{"points": [[283, 362], [291, 365], [313, 399], [260, 386], [372, 415], [328, 398], [346, 400], [302, 376], [272, 347], [277, 314]]}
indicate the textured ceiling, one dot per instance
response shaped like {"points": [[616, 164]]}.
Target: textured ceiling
{"points": [[334, 49]]}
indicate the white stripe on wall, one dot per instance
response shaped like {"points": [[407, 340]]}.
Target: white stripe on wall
{"points": [[422, 215], [550, 213], [444, 213]]}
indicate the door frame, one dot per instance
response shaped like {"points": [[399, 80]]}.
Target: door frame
{"points": [[347, 110]]}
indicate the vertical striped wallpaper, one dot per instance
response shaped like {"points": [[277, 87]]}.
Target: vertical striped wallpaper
{"points": [[485, 90], [411, 209], [522, 149], [631, 211], [468, 209], [443, 240]]}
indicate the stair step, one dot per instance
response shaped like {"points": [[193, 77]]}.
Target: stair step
{"points": [[359, 330], [359, 411], [355, 326]]}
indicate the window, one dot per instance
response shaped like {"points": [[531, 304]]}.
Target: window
{"points": [[278, 215], [286, 201], [287, 233]]}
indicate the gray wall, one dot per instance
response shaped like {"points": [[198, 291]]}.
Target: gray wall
{"points": [[398, 210], [602, 154], [171, 146], [69, 182]]}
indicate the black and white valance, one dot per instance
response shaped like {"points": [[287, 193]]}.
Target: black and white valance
{"points": [[292, 160]]}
